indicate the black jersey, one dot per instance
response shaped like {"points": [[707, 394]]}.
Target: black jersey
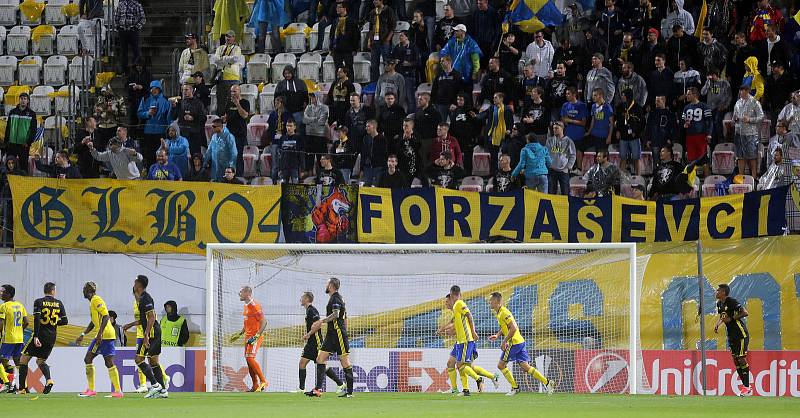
{"points": [[336, 303], [736, 327], [146, 305], [49, 314], [312, 315]]}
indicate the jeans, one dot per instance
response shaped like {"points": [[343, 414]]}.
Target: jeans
{"points": [[378, 50], [371, 175], [558, 180], [538, 183], [129, 38], [346, 174], [444, 111]]}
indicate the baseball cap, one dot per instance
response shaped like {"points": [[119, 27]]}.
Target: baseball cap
{"points": [[654, 30], [190, 35], [776, 63], [460, 27], [230, 33]]}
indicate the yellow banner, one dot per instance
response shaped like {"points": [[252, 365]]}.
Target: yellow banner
{"points": [[141, 216]]}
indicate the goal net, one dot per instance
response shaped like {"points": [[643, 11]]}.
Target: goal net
{"points": [[574, 305]]}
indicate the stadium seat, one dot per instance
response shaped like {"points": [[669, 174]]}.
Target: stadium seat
{"points": [[87, 35], [53, 15], [266, 98], [324, 88], [67, 40], [54, 129], [309, 65], [207, 127], [364, 34], [588, 161], [265, 160], [361, 67], [256, 128], [296, 40], [41, 100], [212, 108], [677, 152], [250, 93], [476, 94], [416, 183], [326, 38], [43, 44], [18, 41], [791, 153], [440, 9], [80, 69], [248, 41], [258, 69], [747, 186], [25, 21], [310, 180], [423, 88], [8, 12], [63, 104], [626, 186], [279, 63], [3, 34], [328, 70], [710, 185], [577, 186], [723, 158], [47, 155], [481, 162], [55, 70], [30, 70], [401, 26], [250, 158], [8, 70], [646, 163], [471, 184], [613, 155], [261, 181], [489, 187]]}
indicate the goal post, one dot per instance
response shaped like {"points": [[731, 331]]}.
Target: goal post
{"points": [[568, 299]]}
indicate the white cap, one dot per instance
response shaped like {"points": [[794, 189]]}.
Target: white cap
{"points": [[460, 27]]}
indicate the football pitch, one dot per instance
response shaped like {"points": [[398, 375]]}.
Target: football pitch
{"points": [[395, 405]]}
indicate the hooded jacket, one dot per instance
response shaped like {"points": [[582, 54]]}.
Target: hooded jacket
{"points": [[751, 108], [562, 153], [173, 317], [193, 107], [636, 84], [315, 117], [603, 79], [21, 126], [534, 160], [712, 55], [543, 55], [221, 154], [753, 78], [465, 54], [718, 94], [156, 124], [178, 151], [294, 91], [677, 16]]}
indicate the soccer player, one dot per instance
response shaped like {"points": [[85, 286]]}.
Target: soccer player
{"points": [[313, 343], [13, 321], [513, 346], [731, 313], [254, 325], [464, 351], [144, 385], [150, 346], [48, 315], [335, 339], [102, 343]]}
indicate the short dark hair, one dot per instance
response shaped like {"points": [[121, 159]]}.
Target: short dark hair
{"points": [[455, 289], [713, 70], [8, 289], [142, 280], [49, 287], [669, 148], [112, 314], [662, 56], [391, 156], [335, 282], [694, 91], [496, 295], [309, 296], [725, 289]]}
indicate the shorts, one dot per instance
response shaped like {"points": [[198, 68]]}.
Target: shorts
{"points": [[739, 346], [464, 352], [517, 352], [9, 351], [105, 348], [336, 341], [43, 352], [312, 347], [154, 350], [695, 146], [630, 150], [746, 146], [250, 350]]}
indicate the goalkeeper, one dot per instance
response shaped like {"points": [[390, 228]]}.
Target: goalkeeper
{"points": [[254, 325]]}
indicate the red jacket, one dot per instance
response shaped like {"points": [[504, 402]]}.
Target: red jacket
{"points": [[438, 145]]}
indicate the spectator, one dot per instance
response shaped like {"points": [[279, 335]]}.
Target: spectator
{"points": [[163, 169], [684, 79], [294, 92], [603, 179], [276, 129], [667, 177], [594, 44], [747, 116], [445, 142], [390, 122], [722, 18], [735, 68], [444, 172], [20, 130], [426, 120], [227, 61], [194, 59], [201, 90], [129, 20], [418, 33], [463, 126], [638, 191], [508, 55], [484, 25], [562, 158], [109, 112], [10, 168], [229, 177], [571, 57], [339, 96], [677, 16], [197, 171], [62, 169], [540, 52], [267, 16], [681, 47], [154, 111], [174, 328], [632, 82], [791, 113], [643, 17], [787, 141], [392, 178], [406, 146], [661, 126], [123, 160], [504, 181], [698, 122], [466, 56], [315, 118], [344, 37], [497, 80], [718, 98], [753, 78], [763, 16], [327, 175], [611, 25], [626, 52], [778, 83], [574, 114], [445, 28], [325, 13], [221, 153], [382, 21], [529, 82], [407, 55], [772, 49], [235, 120], [190, 116], [390, 81], [177, 148], [87, 165], [373, 154], [513, 144], [600, 77], [661, 80], [356, 120], [777, 173], [648, 51], [629, 124], [91, 9], [712, 53], [534, 161], [556, 90], [292, 154], [446, 85], [574, 26], [602, 124], [344, 152], [498, 120], [536, 116]]}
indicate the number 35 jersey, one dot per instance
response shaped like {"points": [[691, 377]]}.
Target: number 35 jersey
{"points": [[51, 315]]}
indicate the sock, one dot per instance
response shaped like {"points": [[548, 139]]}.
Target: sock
{"points": [[482, 372], [23, 375], [320, 376], [453, 376], [142, 378], [158, 373], [746, 375], [3, 375], [45, 368], [509, 377], [471, 372], [148, 372], [252, 374], [90, 376], [302, 379], [163, 373], [538, 376], [253, 364], [348, 376], [113, 374], [330, 373], [463, 373]]}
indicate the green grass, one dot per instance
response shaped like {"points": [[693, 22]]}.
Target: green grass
{"points": [[395, 405]]}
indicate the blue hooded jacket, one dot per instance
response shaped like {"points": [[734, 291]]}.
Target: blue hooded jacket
{"points": [[461, 53], [534, 159], [221, 154], [156, 124]]}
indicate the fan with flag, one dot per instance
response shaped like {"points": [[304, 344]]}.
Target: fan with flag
{"points": [[534, 15]]}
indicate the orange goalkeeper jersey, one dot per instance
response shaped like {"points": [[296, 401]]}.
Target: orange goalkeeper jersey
{"points": [[252, 318]]}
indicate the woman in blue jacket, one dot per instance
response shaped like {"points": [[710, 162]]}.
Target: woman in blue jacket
{"points": [[534, 159]]}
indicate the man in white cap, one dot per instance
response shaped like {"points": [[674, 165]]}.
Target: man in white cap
{"points": [[466, 56], [228, 62]]}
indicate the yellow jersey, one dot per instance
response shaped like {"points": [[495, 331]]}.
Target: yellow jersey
{"points": [[98, 309], [12, 313], [505, 318], [460, 322]]}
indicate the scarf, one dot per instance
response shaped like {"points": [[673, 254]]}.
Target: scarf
{"points": [[498, 128]]}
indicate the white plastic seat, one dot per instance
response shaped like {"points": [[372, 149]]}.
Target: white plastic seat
{"points": [[44, 45], [248, 41], [87, 35], [23, 20], [677, 152], [63, 103], [256, 127], [364, 35], [471, 184], [401, 26], [53, 129], [326, 38], [416, 183], [328, 70], [646, 163], [296, 41], [207, 127], [18, 40], [249, 92], [747, 186], [80, 69], [8, 70], [30, 70], [41, 101], [723, 158], [626, 186], [481, 162], [258, 68], [588, 161], [361, 67], [53, 14], [265, 160], [440, 8], [67, 40], [266, 98], [324, 88], [577, 186], [250, 156], [282, 60], [8, 12], [3, 35], [268, 47], [261, 181], [309, 65], [55, 70], [212, 108], [710, 185]]}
